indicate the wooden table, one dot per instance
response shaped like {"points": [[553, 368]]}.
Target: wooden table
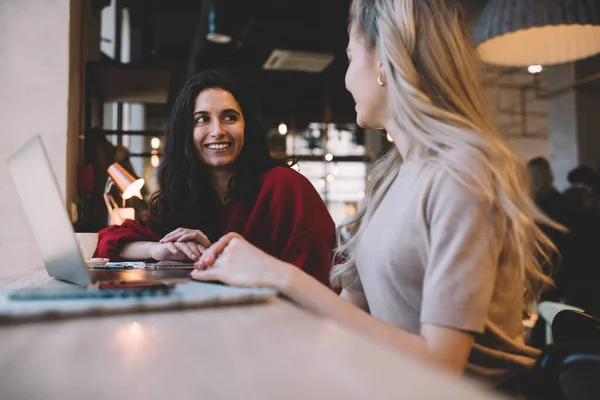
{"points": [[268, 351]]}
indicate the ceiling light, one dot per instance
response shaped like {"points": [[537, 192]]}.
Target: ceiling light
{"points": [[218, 38], [350, 209], [282, 128], [291, 60], [155, 143], [534, 69], [520, 33], [218, 31]]}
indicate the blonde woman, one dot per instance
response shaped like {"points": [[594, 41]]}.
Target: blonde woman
{"points": [[442, 255]]}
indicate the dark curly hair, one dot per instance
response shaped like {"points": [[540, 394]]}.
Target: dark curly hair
{"points": [[185, 192]]}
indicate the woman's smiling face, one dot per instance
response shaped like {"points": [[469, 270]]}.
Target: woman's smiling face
{"points": [[218, 128]]}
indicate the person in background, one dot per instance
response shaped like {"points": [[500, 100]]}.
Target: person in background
{"points": [[559, 209], [443, 255], [583, 288], [545, 194], [585, 188], [217, 176], [560, 264]]}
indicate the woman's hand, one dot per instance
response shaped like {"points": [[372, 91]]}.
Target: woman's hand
{"points": [[234, 261], [176, 251], [183, 235], [191, 242]]}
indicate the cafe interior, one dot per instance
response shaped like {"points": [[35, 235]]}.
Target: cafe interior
{"points": [[89, 89]]}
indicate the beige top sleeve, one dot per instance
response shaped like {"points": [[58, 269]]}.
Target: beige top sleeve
{"points": [[462, 259]]}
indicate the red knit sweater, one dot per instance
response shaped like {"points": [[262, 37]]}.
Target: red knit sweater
{"points": [[288, 220]]}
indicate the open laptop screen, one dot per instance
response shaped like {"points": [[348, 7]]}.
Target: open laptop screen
{"points": [[45, 209]]}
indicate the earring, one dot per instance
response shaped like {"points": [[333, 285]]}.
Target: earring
{"points": [[380, 82]]}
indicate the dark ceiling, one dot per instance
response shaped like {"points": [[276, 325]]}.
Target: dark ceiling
{"points": [[173, 32]]}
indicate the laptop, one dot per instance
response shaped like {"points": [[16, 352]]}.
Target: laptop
{"points": [[45, 209]]}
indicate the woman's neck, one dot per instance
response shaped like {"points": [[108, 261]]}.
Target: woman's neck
{"points": [[219, 179], [401, 140]]}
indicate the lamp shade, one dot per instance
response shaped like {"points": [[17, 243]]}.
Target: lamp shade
{"points": [[128, 185], [520, 33]]}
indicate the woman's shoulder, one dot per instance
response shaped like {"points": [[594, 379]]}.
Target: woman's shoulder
{"points": [[460, 174], [472, 161], [284, 177], [281, 184]]}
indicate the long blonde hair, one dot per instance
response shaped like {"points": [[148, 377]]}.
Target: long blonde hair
{"points": [[435, 97]]}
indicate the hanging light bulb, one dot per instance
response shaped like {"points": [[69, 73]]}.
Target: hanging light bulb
{"points": [[534, 69], [328, 157], [154, 160], [282, 128], [218, 29], [155, 143]]}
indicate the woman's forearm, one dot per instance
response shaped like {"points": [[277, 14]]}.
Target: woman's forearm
{"points": [[137, 250], [309, 293], [445, 347]]}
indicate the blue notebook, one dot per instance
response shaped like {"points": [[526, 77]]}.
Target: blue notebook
{"points": [[50, 303]]}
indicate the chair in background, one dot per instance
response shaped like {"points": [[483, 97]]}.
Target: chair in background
{"points": [[548, 310], [580, 377], [569, 369], [574, 327]]}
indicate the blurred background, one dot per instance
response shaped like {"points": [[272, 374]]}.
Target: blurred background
{"points": [[291, 55], [97, 79]]}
